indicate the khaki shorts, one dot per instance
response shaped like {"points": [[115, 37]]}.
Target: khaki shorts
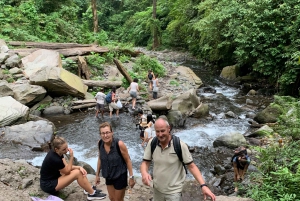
{"points": [[113, 106], [158, 196]]}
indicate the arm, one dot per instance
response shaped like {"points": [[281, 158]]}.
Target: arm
{"points": [[145, 137], [68, 166], [97, 179], [198, 176], [146, 177], [124, 152]]}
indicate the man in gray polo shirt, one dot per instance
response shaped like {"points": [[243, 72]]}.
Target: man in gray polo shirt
{"points": [[168, 172]]}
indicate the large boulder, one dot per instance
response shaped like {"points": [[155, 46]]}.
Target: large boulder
{"points": [[201, 111], [186, 102], [3, 47], [261, 132], [229, 72], [40, 59], [13, 61], [3, 57], [176, 119], [190, 75], [12, 111], [5, 90], [33, 134], [59, 82], [231, 140], [28, 94], [269, 114]]}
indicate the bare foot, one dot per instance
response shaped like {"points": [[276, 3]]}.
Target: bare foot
{"points": [[235, 189]]}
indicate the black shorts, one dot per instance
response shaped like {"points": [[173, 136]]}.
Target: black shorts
{"points": [[119, 183], [100, 106], [49, 186]]}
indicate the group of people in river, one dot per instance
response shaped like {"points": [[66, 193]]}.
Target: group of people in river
{"points": [[115, 165]]}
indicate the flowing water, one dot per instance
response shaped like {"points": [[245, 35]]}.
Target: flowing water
{"points": [[81, 129]]}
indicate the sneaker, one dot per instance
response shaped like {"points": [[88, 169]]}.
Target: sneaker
{"points": [[96, 196], [93, 187]]}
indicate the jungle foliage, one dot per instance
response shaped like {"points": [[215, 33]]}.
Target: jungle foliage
{"points": [[260, 36]]}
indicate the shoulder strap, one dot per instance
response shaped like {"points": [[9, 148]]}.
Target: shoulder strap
{"points": [[116, 140], [153, 144], [118, 148], [177, 148]]}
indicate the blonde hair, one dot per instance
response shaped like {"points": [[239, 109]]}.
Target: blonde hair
{"points": [[57, 142], [105, 124]]}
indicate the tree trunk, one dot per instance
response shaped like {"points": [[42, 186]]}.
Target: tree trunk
{"points": [[95, 16], [155, 37], [83, 106], [44, 45], [123, 70], [162, 103], [81, 102], [100, 83], [65, 52], [83, 69]]}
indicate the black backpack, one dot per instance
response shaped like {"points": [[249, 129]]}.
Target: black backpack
{"points": [[150, 76], [177, 148]]}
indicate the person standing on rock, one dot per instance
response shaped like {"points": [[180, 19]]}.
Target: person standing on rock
{"points": [[100, 97], [133, 89], [168, 172], [113, 104], [114, 161], [155, 87], [150, 78], [56, 173]]}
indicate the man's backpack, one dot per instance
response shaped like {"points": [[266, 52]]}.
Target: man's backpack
{"points": [[150, 76], [177, 148], [108, 98]]}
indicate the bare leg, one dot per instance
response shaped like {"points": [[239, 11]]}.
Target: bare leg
{"points": [[115, 195], [66, 180], [117, 113]]}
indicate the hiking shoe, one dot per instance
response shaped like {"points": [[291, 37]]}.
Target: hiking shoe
{"points": [[96, 196], [93, 187]]}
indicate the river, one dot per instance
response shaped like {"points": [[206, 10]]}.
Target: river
{"points": [[81, 129]]}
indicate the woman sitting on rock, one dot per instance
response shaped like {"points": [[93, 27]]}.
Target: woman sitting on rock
{"points": [[56, 173]]}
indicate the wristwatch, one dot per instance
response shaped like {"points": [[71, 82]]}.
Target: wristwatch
{"points": [[131, 177]]}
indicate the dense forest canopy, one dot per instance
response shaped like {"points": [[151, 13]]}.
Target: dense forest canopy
{"points": [[259, 36]]}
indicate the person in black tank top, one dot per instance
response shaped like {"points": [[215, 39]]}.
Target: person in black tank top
{"points": [[114, 163]]}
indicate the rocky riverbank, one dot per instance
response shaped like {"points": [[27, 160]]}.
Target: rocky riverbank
{"points": [[20, 181]]}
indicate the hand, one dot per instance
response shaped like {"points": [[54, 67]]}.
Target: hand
{"points": [[146, 178], [71, 152], [206, 192], [131, 183], [83, 171], [97, 180]]}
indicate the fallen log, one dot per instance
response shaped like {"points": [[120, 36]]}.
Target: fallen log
{"points": [[123, 70], [82, 50], [83, 106], [162, 103], [101, 83], [78, 51], [80, 102], [45, 45]]}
